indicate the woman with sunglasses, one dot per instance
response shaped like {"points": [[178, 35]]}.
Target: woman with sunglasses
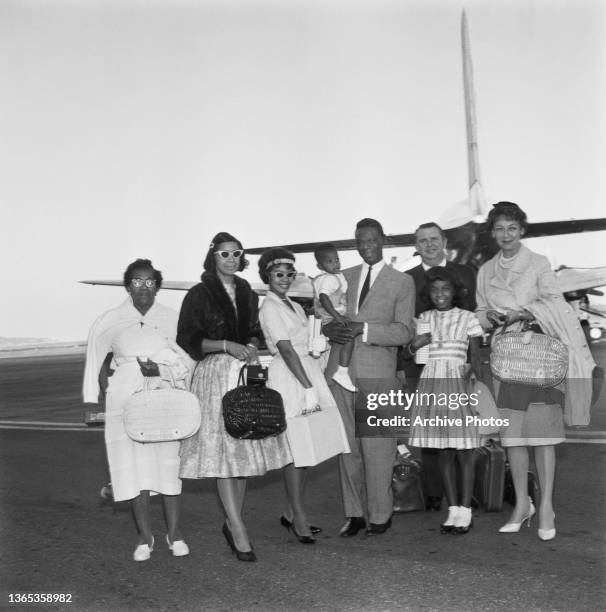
{"points": [[219, 328], [141, 335], [300, 380]]}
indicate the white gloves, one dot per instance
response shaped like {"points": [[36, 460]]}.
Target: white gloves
{"points": [[312, 401]]}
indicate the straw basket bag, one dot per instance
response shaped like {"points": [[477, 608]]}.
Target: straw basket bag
{"points": [[528, 358]]}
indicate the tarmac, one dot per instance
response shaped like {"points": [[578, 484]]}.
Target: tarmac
{"points": [[60, 537]]}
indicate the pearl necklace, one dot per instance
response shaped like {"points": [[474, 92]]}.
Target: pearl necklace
{"points": [[507, 262]]}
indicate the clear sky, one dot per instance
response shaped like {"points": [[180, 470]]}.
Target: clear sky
{"points": [[141, 128]]}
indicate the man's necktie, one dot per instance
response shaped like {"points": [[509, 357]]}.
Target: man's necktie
{"points": [[365, 288]]}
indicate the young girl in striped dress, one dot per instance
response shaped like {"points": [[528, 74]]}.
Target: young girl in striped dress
{"points": [[440, 421]]}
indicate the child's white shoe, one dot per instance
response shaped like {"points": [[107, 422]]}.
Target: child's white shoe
{"points": [[464, 520], [341, 376], [449, 524]]}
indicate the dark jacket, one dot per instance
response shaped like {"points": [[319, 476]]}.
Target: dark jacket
{"points": [[207, 312], [464, 274]]}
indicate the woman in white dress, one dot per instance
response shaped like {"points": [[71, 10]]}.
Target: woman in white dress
{"points": [[141, 335], [301, 383]]}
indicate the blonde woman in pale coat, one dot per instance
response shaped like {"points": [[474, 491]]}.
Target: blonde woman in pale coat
{"points": [[514, 287]]}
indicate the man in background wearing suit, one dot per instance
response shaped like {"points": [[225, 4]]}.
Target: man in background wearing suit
{"points": [[380, 306], [430, 244]]}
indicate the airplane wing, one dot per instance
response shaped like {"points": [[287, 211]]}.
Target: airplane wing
{"points": [[178, 285], [349, 244], [580, 279], [300, 288], [570, 280], [572, 226], [535, 230]]}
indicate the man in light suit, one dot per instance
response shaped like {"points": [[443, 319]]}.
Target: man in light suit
{"points": [[430, 243], [380, 305]]}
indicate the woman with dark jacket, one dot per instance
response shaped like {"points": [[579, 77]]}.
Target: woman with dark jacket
{"points": [[219, 328]]}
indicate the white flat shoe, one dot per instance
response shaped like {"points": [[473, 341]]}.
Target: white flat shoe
{"points": [[179, 548], [143, 551]]}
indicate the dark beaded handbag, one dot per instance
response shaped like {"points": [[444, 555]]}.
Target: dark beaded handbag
{"points": [[251, 411]]}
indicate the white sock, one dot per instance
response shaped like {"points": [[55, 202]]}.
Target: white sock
{"points": [[463, 517], [452, 516]]}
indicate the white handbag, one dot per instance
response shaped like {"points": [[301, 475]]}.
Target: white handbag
{"points": [[316, 437], [161, 415]]}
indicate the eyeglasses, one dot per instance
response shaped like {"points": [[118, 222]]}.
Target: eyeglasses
{"points": [[289, 275], [139, 282], [225, 254], [428, 241]]}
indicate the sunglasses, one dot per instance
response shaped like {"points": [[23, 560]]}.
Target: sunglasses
{"points": [[139, 282], [225, 254], [289, 275]]}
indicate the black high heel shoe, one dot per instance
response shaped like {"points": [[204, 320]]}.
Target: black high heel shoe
{"points": [[242, 556], [304, 539], [288, 524]]}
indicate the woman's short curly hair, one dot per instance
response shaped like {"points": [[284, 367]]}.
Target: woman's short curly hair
{"points": [[138, 264], [269, 256], [508, 210], [209, 261], [441, 273]]}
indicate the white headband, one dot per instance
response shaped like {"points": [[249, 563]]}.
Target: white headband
{"points": [[275, 262]]}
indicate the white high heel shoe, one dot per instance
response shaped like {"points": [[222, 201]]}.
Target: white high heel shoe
{"points": [[515, 527], [547, 534]]}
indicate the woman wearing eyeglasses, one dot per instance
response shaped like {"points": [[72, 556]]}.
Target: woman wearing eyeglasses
{"points": [[219, 328], [141, 335], [300, 381]]}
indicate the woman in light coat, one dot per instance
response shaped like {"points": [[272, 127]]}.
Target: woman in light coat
{"points": [[515, 287], [141, 335]]}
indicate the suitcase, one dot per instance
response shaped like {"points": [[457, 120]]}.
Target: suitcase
{"points": [[489, 486], [407, 486]]}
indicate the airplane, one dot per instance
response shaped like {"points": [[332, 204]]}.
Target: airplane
{"points": [[468, 239]]}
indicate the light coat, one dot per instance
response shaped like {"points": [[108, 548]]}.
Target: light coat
{"points": [[533, 285]]}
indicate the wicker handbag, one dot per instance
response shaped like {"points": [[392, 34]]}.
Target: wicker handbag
{"points": [[161, 415], [528, 358], [252, 411]]}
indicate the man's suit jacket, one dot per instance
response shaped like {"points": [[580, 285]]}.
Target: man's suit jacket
{"points": [[388, 309], [464, 274]]}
